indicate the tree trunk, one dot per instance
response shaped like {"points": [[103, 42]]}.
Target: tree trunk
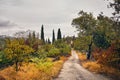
{"points": [[89, 50], [16, 65]]}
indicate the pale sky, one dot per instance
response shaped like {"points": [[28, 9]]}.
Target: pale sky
{"points": [[21, 15]]}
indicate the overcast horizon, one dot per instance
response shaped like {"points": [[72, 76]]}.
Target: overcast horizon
{"points": [[23, 15]]}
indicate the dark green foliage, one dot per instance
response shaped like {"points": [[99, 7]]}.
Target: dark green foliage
{"points": [[116, 16], [53, 37], [34, 35], [59, 34], [42, 33], [100, 40], [4, 61], [105, 25], [49, 42], [116, 6]]}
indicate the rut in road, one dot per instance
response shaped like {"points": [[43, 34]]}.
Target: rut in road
{"points": [[72, 70]]}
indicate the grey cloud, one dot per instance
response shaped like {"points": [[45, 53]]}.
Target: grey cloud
{"points": [[6, 23], [10, 2], [30, 14]]}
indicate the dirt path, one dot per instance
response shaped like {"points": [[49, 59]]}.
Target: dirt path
{"points": [[72, 70]]}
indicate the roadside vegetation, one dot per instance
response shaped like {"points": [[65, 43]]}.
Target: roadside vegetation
{"points": [[96, 67], [99, 41], [26, 57], [31, 58]]}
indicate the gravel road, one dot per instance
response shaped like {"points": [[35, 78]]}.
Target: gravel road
{"points": [[72, 70]]}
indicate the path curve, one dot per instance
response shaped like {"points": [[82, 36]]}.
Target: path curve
{"points": [[72, 70]]}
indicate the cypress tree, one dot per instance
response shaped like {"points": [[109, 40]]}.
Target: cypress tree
{"points": [[42, 33], [53, 37], [59, 34], [49, 42], [33, 35]]}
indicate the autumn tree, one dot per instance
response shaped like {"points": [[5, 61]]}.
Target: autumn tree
{"points": [[59, 34], [17, 51]]}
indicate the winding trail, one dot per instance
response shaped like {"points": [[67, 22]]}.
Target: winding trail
{"points": [[72, 70]]}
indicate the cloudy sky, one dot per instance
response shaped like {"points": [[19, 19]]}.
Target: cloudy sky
{"points": [[21, 15]]}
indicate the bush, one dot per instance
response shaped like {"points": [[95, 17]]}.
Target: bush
{"points": [[109, 56], [63, 47], [42, 54], [100, 40], [65, 50], [47, 47], [4, 61], [54, 52], [81, 43]]}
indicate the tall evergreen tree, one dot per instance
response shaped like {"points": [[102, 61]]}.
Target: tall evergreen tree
{"points": [[42, 33], [59, 34], [33, 35], [53, 37], [49, 42]]}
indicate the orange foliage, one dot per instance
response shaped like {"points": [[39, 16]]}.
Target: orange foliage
{"points": [[100, 68], [29, 71], [109, 56], [96, 67], [82, 56]]}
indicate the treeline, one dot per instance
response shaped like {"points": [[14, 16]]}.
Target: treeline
{"points": [[99, 37], [59, 36], [27, 49]]}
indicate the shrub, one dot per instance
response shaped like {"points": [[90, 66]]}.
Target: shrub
{"points": [[54, 52], [109, 56], [42, 54], [81, 43], [65, 50], [3, 60], [47, 47], [100, 40], [63, 47]]}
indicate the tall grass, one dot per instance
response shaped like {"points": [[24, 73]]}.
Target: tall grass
{"points": [[34, 71]]}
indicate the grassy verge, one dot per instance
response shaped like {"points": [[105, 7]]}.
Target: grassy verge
{"points": [[32, 71], [99, 68]]}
